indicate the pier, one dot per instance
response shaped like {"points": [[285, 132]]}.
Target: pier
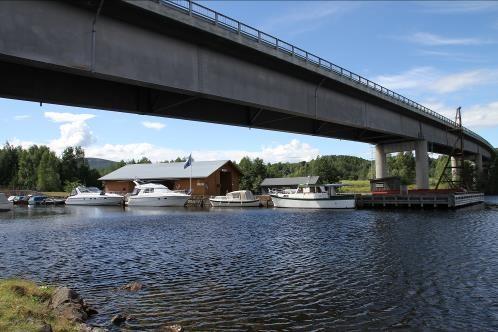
{"points": [[419, 199]]}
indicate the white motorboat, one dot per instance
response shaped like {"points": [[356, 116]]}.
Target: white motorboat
{"points": [[92, 196], [5, 205], [241, 198], [313, 197], [154, 194]]}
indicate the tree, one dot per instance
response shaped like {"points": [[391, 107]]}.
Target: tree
{"points": [[70, 164], [402, 165], [48, 173], [253, 173], [9, 162], [144, 160]]}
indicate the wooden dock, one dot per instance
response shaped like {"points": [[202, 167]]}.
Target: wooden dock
{"points": [[427, 199]]}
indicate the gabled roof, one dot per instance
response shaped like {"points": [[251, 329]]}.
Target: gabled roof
{"points": [[158, 171], [268, 182]]}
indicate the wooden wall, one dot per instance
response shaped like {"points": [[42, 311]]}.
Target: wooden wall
{"points": [[210, 186]]}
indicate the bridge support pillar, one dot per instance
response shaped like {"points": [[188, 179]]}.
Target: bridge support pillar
{"points": [[421, 165], [380, 162], [478, 162], [455, 171]]}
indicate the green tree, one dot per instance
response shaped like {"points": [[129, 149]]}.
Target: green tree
{"points": [[48, 172], [402, 165], [144, 160], [9, 162]]}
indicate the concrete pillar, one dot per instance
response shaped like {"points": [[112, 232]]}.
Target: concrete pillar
{"points": [[422, 165], [478, 162], [455, 172], [380, 162]]}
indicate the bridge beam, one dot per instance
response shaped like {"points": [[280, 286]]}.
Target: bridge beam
{"points": [[421, 165]]}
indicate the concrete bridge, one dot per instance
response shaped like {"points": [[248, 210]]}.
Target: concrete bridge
{"points": [[179, 59]]}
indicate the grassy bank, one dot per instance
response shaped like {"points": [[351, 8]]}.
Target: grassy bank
{"points": [[23, 307], [356, 186]]}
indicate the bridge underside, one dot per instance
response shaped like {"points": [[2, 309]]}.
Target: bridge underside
{"points": [[45, 85]]}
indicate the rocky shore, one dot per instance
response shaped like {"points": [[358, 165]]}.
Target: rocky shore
{"points": [[27, 307]]}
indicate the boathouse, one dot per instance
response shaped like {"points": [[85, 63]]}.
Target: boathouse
{"points": [[270, 184], [208, 177]]}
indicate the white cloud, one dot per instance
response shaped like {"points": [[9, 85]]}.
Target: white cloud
{"points": [[475, 116], [430, 39], [458, 7], [429, 79], [292, 151], [410, 79], [153, 125], [21, 117], [74, 131], [67, 117], [304, 17], [455, 82]]}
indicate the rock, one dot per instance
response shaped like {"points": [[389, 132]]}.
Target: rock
{"points": [[133, 286], [120, 319], [87, 328], [45, 328], [66, 303], [170, 328]]}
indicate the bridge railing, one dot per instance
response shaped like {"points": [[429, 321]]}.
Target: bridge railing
{"points": [[194, 9]]}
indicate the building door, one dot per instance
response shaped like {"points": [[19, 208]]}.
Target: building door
{"points": [[225, 182]]}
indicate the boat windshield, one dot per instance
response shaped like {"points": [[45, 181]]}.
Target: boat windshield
{"points": [[85, 190]]}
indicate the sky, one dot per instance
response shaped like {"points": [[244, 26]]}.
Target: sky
{"points": [[440, 54]]}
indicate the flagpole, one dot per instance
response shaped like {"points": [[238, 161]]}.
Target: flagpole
{"points": [[190, 178]]}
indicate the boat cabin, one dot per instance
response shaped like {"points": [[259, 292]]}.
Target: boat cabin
{"points": [[242, 195]]}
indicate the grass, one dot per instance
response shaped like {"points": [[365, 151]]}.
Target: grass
{"points": [[362, 186], [55, 194], [24, 307], [356, 186]]}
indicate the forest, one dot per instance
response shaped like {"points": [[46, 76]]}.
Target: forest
{"points": [[39, 168]]}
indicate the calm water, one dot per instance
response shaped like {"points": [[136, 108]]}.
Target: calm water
{"points": [[265, 269]]}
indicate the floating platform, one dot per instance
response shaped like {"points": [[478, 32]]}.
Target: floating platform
{"points": [[419, 199]]}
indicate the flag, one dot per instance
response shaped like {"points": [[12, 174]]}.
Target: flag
{"points": [[188, 162]]}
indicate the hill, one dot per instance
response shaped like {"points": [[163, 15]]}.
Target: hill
{"points": [[98, 163]]}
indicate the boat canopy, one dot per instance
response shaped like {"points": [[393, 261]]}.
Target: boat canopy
{"points": [[241, 194]]}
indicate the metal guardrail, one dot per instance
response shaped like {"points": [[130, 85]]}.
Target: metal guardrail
{"points": [[194, 9]]}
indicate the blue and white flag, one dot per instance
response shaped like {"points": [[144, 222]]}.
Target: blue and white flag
{"points": [[188, 162]]}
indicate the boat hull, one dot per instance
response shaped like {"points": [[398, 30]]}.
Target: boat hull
{"points": [[94, 201], [335, 202], [5, 207], [157, 201], [234, 203]]}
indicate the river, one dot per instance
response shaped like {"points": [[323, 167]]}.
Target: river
{"points": [[266, 269]]}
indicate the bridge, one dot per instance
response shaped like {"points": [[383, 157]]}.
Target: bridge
{"points": [[179, 59]]}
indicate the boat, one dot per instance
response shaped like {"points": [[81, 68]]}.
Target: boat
{"points": [[5, 205], [154, 194], [92, 196], [313, 197], [20, 200], [37, 200], [240, 198]]}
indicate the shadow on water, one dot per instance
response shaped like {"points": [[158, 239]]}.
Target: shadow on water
{"points": [[271, 269]]}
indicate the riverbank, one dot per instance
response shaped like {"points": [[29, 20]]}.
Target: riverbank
{"points": [[24, 306], [29, 307]]}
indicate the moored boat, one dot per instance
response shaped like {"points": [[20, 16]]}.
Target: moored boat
{"points": [[240, 198], [155, 195], [5, 205], [313, 197], [92, 196], [37, 200]]}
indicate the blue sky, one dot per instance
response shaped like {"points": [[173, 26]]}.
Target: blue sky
{"points": [[441, 54]]}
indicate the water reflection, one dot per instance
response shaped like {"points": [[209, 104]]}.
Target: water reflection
{"points": [[263, 268]]}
